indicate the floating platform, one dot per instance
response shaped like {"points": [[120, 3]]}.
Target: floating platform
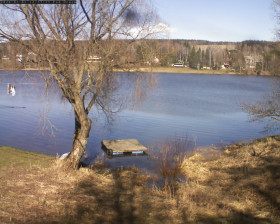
{"points": [[122, 147]]}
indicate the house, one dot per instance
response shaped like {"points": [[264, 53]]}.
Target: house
{"points": [[93, 59], [32, 57], [19, 57], [156, 60], [5, 58], [181, 65], [206, 68], [251, 61], [227, 62]]}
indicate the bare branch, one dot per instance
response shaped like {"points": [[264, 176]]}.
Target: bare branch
{"points": [[64, 37]]}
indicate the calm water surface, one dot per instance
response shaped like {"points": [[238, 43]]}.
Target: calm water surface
{"points": [[206, 108]]}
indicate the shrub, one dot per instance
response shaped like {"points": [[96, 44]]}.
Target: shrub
{"points": [[168, 157]]}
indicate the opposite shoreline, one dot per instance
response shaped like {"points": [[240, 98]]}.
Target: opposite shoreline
{"points": [[160, 70]]}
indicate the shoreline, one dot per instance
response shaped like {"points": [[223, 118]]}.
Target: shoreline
{"points": [[195, 71], [27, 153], [239, 184], [160, 69]]}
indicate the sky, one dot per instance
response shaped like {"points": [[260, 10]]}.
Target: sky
{"points": [[218, 20]]}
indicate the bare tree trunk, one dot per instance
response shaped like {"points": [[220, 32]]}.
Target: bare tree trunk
{"points": [[80, 139]]}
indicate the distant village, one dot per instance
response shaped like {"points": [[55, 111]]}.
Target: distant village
{"points": [[240, 57]]}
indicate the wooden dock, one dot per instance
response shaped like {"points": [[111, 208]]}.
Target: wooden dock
{"points": [[121, 147]]}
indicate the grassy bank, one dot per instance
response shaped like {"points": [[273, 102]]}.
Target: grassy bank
{"points": [[241, 184], [160, 69], [11, 157], [184, 70], [195, 71]]}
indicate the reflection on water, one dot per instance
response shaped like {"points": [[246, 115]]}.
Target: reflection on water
{"points": [[205, 108]]}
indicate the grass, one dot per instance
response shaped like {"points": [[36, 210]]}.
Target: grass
{"points": [[183, 70], [168, 69], [241, 184], [22, 159], [193, 71]]}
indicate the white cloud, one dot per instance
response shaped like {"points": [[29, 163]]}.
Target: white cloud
{"points": [[158, 29], [166, 28]]}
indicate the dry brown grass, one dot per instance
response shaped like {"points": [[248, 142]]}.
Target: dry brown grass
{"points": [[170, 69], [239, 185], [50, 195]]}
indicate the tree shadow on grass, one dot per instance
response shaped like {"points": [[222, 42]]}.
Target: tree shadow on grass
{"points": [[124, 198], [260, 185], [235, 218], [120, 201]]}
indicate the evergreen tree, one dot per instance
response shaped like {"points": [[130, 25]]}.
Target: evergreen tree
{"points": [[199, 56], [193, 59], [203, 61], [208, 58]]}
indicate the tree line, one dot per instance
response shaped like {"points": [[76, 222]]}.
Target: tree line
{"points": [[257, 56]]}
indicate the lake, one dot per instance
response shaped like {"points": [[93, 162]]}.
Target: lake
{"points": [[204, 108]]}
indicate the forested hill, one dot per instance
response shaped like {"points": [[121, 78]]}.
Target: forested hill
{"points": [[198, 54]]}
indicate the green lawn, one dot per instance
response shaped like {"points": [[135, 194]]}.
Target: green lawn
{"points": [[21, 158]]}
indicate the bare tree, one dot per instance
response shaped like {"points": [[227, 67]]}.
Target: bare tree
{"points": [[268, 109], [67, 37]]}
